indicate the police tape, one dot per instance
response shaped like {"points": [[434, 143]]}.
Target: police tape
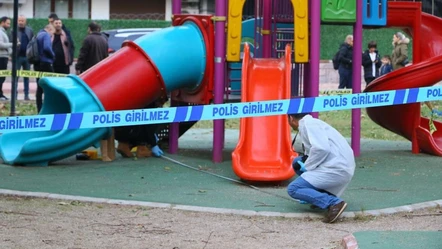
{"points": [[30, 74], [72, 121]]}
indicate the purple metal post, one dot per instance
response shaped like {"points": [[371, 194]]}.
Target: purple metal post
{"points": [[220, 61], [307, 86], [315, 49], [266, 28], [174, 128], [357, 59]]}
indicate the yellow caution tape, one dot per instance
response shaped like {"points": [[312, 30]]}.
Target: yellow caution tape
{"points": [[4, 73], [30, 74], [37, 74], [336, 92]]}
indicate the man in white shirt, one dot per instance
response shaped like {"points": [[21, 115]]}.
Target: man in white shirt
{"points": [[371, 62], [326, 168]]}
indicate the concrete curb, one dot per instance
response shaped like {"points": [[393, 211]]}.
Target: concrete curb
{"points": [[349, 242], [386, 211]]}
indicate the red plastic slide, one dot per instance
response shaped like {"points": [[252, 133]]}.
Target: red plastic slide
{"points": [[264, 151], [406, 120]]}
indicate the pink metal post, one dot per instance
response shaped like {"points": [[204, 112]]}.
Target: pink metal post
{"points": [[266, 28], [315, 49], [220, 51], [357, 58], [174, 131]]}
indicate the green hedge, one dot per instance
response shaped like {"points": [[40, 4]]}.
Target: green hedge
{"points": [[331, 35]]}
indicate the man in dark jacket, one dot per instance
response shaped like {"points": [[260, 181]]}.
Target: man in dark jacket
{"points": [[24, 35], [371, 62], [345, 63], [47, 57], [51, 18], [63, 48], [93, 50]]}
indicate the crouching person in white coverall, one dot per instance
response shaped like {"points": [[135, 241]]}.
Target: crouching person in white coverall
{"points": [[326, 168]]}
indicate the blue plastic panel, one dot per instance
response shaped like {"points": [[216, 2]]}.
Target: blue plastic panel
{"points": [[374, 12]]}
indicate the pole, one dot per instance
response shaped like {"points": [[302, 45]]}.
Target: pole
{"points": [[174, 128], [315, 49], [220, 51], [14, 59], [357, 58], [266, 29]]}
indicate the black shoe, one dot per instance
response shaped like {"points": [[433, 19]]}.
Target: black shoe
{"points": [[27, 97], [3, 97], [314, 207], [335, 211]]}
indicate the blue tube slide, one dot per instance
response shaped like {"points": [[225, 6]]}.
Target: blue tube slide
{"points": [[177, 53], [180, 66]]}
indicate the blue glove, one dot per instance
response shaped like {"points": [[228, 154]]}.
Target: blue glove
{"points": [[156, 138], [298, 164], [302, 166], [156, 151], [297, 159]]}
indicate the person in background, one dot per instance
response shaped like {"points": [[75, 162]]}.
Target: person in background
{"points": [[5, 50], [47, 57], [51, 19], [399, 56], [24, 34], [345, 63], [386, 65], [371, 62], [326, 168], [93, 50], [62, 47]]}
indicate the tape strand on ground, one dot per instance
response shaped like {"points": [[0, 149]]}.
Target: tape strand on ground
{"points": [[227, 178], [218, 111]]}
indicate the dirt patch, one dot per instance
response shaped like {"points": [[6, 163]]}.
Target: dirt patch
{"points": [[43, 223]]}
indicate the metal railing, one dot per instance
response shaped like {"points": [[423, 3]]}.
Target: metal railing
{"points": [[433, 7], [146, 16]]}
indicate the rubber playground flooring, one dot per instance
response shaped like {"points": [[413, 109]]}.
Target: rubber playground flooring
{"points": [[388, 175], [399, 239]]}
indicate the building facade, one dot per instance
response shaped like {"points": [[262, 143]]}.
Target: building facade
{"points": [[105, 9]]}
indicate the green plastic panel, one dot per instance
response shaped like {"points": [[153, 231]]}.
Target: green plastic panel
{"points": [[338, 11]]}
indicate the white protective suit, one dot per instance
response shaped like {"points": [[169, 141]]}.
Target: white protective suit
{"points": [[331, 163]]}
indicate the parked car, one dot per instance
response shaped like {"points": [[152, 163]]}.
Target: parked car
{"points": [[116, 37]]}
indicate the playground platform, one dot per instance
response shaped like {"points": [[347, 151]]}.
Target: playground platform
{"points": [[388, 179]]}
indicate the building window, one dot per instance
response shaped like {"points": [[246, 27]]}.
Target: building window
{"points": [[62, 8], [78, 9], [42, 8]]}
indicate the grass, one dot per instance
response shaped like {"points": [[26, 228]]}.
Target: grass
{"points": [[22, 108], [341, 120]]}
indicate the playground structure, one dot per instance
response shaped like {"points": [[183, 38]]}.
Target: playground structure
{"points": [[406, 120], [189, 60]]}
